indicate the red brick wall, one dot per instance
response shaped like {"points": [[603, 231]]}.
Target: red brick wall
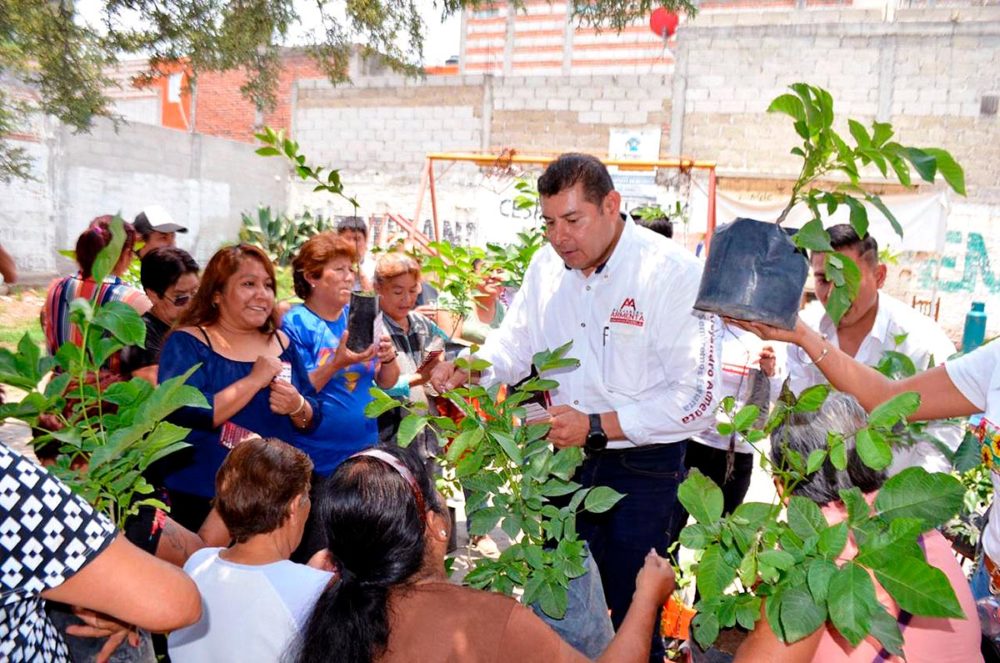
{"points": [[223, 111]]}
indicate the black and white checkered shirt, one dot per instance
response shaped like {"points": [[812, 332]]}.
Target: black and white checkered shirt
{"points": [[47, 534]]}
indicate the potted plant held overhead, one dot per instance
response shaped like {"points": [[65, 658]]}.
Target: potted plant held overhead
{"points": [[756, 270]]}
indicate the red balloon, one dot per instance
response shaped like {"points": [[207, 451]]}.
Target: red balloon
{"points": [[663, 22]]}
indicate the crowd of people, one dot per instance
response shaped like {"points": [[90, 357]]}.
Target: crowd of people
{"points": [[305, 533]]}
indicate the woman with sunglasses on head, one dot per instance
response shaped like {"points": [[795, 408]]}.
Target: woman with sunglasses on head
{"points": [[170, 278], [387, 532], [250, 374]]}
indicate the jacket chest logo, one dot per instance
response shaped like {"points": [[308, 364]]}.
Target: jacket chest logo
{"points": [[628, 314]]}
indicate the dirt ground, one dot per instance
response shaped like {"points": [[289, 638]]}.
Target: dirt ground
{"points": [[18, 313]]}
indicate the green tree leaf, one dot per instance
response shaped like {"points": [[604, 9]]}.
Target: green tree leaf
{"points": [[832, 541], [122, 321], [790, 105], [851, 598], [779, 559], [805, 518], [714, 574], [108, 257], [601, 499], [923, 163], [818, 576], [800, 614], [885, 629], [950, 170], [701, 497], [813, 236], [706, 628], [920, 588], [894, 410], [811, 398], [932, 498], [409, 428], [872, 448]]}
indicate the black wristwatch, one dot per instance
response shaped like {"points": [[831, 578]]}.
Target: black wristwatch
{"points": [[597, 439]]}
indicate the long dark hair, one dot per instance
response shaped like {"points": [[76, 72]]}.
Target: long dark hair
{"points": [[375, 533], [222, 266]]}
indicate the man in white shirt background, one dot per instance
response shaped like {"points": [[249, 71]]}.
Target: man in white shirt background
{"points": [[648, 362], [875, 324]]}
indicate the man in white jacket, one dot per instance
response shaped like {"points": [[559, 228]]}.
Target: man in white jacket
{"points": [[648, 362]]}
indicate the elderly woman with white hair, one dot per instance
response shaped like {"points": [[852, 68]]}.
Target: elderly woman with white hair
{"points": [[924, 639]]}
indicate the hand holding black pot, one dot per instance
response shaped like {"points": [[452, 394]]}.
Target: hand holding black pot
{"points": [[344, 356]]}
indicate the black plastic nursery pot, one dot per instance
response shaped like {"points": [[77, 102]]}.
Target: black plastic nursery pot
{"points": [[754, 272], [361, 321]]}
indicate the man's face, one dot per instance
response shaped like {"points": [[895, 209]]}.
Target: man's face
{"points": [[157, 239], [872, 278], [359, 239], [581, 232]]}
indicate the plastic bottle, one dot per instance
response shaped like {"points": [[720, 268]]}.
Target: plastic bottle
{"points": [[975, 327]]}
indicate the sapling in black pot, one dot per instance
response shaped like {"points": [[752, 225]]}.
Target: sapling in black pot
{"points": [[361, 321], [756, 270]]}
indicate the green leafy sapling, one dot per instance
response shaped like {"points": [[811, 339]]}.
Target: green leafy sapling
{"points": [[783, 557], [512, 477], [107, 436], [831, 173]]}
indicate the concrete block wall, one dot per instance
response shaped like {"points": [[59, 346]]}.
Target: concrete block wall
{"points": [[204, 182], [387, 124]]}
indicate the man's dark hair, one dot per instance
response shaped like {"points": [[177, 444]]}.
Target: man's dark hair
{"points": [[162, 266], [570, 168], [843, 236], [661, 226], [352, 223]]}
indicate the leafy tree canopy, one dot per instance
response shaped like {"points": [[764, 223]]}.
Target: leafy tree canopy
{"points": [[62, 58]]}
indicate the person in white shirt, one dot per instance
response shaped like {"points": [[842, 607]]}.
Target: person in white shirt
{"points": [[254, 600], [648, 362], [875, 324], [752, 373]]}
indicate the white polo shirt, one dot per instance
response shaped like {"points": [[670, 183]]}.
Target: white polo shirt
{"points": [[644, 352], [925, 343], [977, 376]]}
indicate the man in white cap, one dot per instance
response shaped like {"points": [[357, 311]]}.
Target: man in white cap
{"points": [[156, 228]]}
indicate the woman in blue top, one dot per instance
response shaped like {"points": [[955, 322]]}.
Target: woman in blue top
{"points": [[251, 375], [324, 274]]}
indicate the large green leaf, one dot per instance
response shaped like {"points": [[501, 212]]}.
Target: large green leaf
{"points": [[468, 439], [885, 629], [109, 255], [714, 574], [818, 575], [123, 322], [701, 497], [800, 614], [805, 518], [601, 499], [896, 409], [789, 104], [705, 626], [832, 541], [409, 428], [923, 163], [851, 598], [846, 277], [886, 212], [920, 588], [872, 448], [813, 236], [932, 498], [950, 170]]}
